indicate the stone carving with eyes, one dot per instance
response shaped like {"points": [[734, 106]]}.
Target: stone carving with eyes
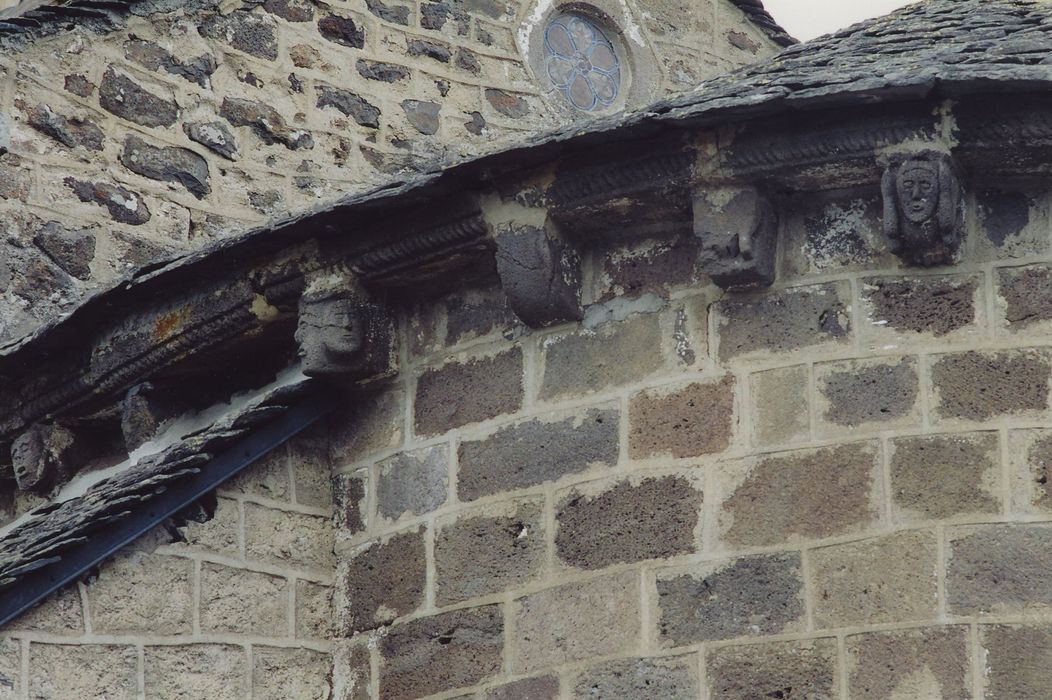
{"points": [[341, 333], [923, 216]]}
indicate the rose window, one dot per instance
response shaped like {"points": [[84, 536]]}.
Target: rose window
{"points": [[581, 63]]}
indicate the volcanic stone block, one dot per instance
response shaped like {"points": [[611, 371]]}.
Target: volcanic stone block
{"points": [[1025, 294], [423, 115], [460, 393], [576, 621], [369, 424], [754, 595], [510, 106], [412, 482], [539, 688], [535, 451], [672, 678], [929, 663], [122, 204], [936, 306], [355, 106], [978, 386], [252, 33], [194, 670], [628, 522], [1000, 569], [286, 538], [940, 476], [381, 582], [652, 267], [787, 669], [435, 654], [214, 136], [89, 671], [125, 98], [342, 30], [885, 579], [350, 502], [540, 273], [780, 406], [1031, 470], [1014, 223], [487, 551], [783, 321], [591, 360], [352, 672], [833, 231], [236, 601], [688, 422], [805, 494], [1018, 659], [139, 592], [281, 674], [290, 10], [864, 393], [70, 132], [265, 122]]}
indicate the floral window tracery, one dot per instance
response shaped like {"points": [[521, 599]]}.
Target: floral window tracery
{"points": [[581, 62]]}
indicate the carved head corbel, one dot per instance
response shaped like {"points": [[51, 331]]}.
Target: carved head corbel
{"points": [[923, 217]]}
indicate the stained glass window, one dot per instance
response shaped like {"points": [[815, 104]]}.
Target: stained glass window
{"points": [[581, 62]]}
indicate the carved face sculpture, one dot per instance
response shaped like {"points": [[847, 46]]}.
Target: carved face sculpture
{"points": [[918, 190], [330, 333]]}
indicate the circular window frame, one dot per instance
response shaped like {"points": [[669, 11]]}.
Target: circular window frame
{"points": [[636, 61]]}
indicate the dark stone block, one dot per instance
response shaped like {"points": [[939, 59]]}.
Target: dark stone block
{"points": [[1004, 214], [655, 268], [71, 132], [1017, 661], [122, 96], [883, 662], [629, 523], [412, 482], [291, 10], [533, 452], [695, 420], [738, 233], [352, 105], [214, 136], [434, 654], [467, 392], [396, 14], [79, 85], [167, 164], [254, 34], [342, 30], [673, 678], [860, 393], [467, 60], [785, 669], [429, 49], [153, 57], [999, 569], [936, 305], [540, 273], [756, 595], [511, 106], [540, 688], [124, 206], [348, 493], [940, 476], [982, 385], [72, 250], [265, 123], [1027, 294], [423, 115], [378, 70], [383, 582], [476, 125]]}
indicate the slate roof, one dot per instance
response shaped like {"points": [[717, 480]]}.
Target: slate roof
{"points": [[759, 16]]}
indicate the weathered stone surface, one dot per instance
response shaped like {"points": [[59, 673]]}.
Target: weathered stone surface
{"points": [[154, 57], [214, 136], [1031, 470], [511, 106], [70, 132], [738, 232], [423, 115], [942, 476], [398, 14], [1017, 659], [782, 321], [628, 522], [532, 452], [43, 456], [999, 569], [139, 592], [281, 674], [429, 49], [787, 669], [433, 654], [577, 621], [123, 205], [61, 613], [540, 688], [311, 468], [219, 534], [1026, 294], [488, 551], [755, 595], [981, 385], [252, 33], [540, 273], [594, 359], [884, 579], [383, 581], [125, 98], [779, 404], [191, 671], [11, 686], [926, 663], [651, 267], [342, 30], [349, 502], [863, 393], [670, 678], [467, 60], [283, 537], [930, 305], [314, 611], [354, 106], [168, 164], [290, 10], [236, 601], [372, 423], [79, 85], [267, 477], [923, 208], [465, 392], [265, 122], [691, 421], [806, 494], [1013, 222], [381, 71], [90, 671], [832, 231], [352, 672]]}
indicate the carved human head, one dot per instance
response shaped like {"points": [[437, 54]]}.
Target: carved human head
{"points": [[331, 331], [917, 187]]}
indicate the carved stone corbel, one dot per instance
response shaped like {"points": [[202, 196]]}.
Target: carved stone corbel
{"points": [[342, 332], [42, 456], [142, 415], [737, 227], [539, 272], [923, 212]]}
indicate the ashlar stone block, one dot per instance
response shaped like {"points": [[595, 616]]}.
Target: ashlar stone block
{"points": [[942, 476], [806, 669], [193, 671], [669, 678], [382, 581], [685, 421], [931, 663], [999, 569]]}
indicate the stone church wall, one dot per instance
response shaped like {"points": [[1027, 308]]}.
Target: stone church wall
{"points": [[235, 606], [188, 124], [835, 488]]}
